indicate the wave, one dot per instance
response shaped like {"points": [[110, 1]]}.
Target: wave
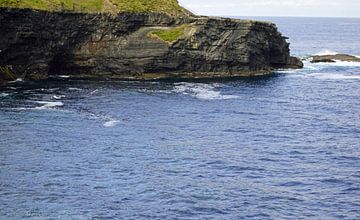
{"points": [[308, 66], [95, 91], [337, 63], [333, 76], [21, 109], [346, 63], [74, 89], [49, 105], [319, 66], [111, 123], [58, 97], [4, 94], [17, 80], [64, 76], [60, 76], [106, 120], [202, 91]]}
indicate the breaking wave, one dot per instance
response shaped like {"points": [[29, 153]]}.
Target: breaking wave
{"points": [[49, 105], [333, 76], [202, 91], [64, 76], [111, 123], [4, 94], [58, 97], [74, 89], [338, 63]]}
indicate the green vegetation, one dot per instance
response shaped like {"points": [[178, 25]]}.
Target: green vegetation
{"points": [[166, 6], [170, 7], [6, 70], [56, 5], [170, 35]]}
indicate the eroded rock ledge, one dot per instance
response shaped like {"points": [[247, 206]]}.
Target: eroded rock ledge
{"points": [[40, 44], [333, 58]]}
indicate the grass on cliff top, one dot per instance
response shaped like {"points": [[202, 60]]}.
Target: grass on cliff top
{"points": [[170, 35], [170, 7], [56, 5], [166, 6]]}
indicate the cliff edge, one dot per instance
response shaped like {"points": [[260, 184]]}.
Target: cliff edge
{"points": [[137, 45]]}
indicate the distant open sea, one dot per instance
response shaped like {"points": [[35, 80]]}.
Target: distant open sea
{"points": [[285, 146]]}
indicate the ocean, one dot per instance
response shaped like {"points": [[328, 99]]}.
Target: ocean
{"points": [[285, 146]]}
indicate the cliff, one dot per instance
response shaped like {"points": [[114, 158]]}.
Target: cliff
{"points": [[144, 45], [170, 7]]}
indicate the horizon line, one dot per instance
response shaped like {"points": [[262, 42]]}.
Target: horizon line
{"points": [[280, 16]]}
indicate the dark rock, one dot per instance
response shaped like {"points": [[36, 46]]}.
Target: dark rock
{"points": [[333, 58], [42, 44], [294, 63]]}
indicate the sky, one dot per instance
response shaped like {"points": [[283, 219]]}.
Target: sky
{"points": [[293, 8]]}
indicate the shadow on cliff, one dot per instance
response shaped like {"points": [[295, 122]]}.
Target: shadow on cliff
{"points": [[37, 44]]}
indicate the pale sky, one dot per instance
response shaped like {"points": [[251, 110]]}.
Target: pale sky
{"points": [[302, 8]]}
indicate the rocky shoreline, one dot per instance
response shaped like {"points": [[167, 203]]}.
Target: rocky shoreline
{"points": [[333, 58], [39, 44]]}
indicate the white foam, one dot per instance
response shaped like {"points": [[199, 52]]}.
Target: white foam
{"points": [[17, 80], [111, 123], [346, 63], [58, 97], [20, 109], [74, 89], [337, 63], [109, 120], [64, 76], [93, 92], [4, 94], [288, 71], [49, 105], [201, 91], [326, 52], [333, 76]]}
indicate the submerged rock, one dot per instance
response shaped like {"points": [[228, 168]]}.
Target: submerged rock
{"points": [[39, 44], [334, 58]]}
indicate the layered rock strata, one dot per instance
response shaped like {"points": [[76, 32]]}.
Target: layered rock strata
{"points": [[38, 45]]}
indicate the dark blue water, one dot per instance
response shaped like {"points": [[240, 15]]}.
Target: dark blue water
{"points": [[285, 146]]}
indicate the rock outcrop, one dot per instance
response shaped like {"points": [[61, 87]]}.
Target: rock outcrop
{"points": [[39, 44], [334, 58]]}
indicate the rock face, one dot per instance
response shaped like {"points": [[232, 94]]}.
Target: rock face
{"points": [[39, 44], [333, 58]]}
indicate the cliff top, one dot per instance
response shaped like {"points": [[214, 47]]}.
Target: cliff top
{"points": [[170, 7]]}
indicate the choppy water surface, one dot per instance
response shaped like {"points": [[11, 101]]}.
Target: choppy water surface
{"points": [[278, 147]]}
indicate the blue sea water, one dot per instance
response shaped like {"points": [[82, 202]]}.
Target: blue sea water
{"points": [[286, 146]]}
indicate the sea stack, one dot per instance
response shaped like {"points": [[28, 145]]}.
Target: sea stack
{"points": [[116, 40]]}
